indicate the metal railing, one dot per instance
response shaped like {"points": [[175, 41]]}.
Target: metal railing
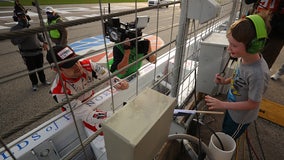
{"points": [[176, 79]]}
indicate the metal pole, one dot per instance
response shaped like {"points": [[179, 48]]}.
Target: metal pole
{"points": [[39, 11], [233, 14], [180, 48], [108, 7]]}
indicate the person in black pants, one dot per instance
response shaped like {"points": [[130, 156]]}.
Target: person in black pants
{"points": [[31, 47]]}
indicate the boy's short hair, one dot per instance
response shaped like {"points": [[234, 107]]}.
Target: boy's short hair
{"points": [[237, 31]]}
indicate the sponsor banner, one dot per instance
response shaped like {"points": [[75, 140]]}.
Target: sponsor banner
{"points": [[45, 131]]}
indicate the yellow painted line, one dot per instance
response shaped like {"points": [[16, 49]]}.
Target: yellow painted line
{"points": [[272, 111]]}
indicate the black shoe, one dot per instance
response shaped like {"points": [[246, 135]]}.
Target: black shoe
{"points": [[46, 83], [34, 87]]}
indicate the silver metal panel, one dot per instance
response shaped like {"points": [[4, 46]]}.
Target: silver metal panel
{"points": [[212, 59]]}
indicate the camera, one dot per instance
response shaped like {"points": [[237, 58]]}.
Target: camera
{"points": [[117, 31], [15, 18]]}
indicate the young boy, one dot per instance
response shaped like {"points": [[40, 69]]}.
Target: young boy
{"points": [[250, 79]]}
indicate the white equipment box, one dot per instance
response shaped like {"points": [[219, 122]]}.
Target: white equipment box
{"points": [[139, 129], [203, 10], [212, 60]]}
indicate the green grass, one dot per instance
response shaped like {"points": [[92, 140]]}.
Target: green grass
{"points": [[54, 2]]}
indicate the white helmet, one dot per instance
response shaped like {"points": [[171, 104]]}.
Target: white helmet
{"points": [[49, 9]]}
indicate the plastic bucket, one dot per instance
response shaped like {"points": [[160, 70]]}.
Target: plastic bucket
{"points": [[216, 149]]}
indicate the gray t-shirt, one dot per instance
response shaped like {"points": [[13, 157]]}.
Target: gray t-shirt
{"points": [[249, 81]]}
